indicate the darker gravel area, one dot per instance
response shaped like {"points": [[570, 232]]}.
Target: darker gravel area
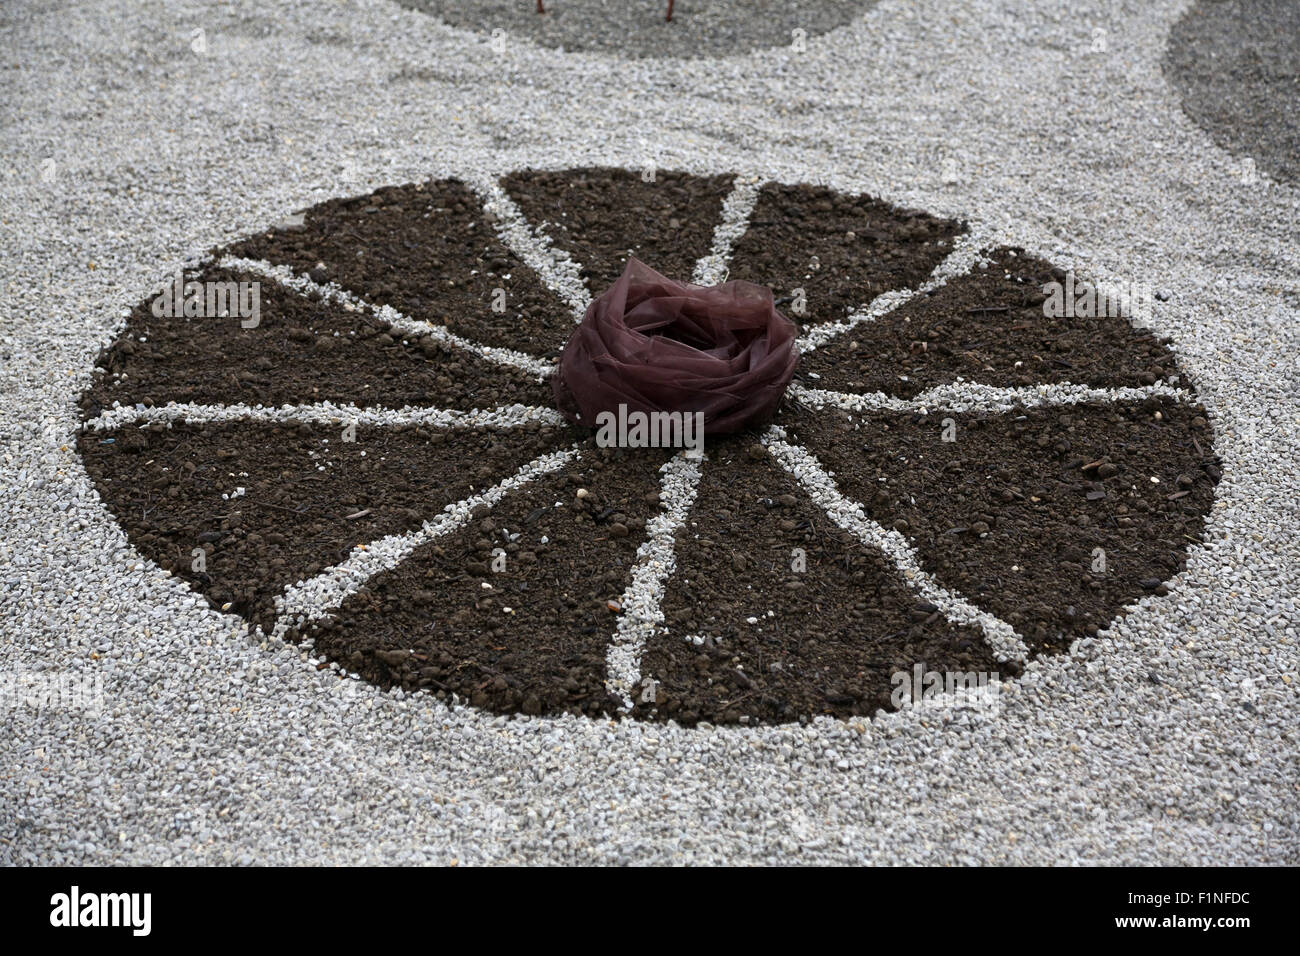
{"points": [[1236, 65], [637, 28]]}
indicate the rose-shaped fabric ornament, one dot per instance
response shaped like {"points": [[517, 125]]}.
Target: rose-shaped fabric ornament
{"points": [[656, 345]]}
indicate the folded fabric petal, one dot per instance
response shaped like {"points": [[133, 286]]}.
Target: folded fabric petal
{"points": [[656, 345]]}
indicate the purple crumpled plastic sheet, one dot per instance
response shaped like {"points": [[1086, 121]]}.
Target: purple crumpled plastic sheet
{"points": [[656, 345]]}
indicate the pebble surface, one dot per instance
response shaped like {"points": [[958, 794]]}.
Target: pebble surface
{"points": [[1234, 65], [133, 141]]}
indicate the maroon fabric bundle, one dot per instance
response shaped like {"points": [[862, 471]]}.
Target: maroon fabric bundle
{"points": [[656, 345]]}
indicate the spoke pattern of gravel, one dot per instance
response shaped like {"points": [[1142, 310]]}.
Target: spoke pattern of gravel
{"points": [[1045, 472], [1167, 738]]}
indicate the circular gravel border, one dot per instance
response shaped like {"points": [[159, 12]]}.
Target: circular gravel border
{"points": [[553, 576], [638, 29], [1236, 66]]}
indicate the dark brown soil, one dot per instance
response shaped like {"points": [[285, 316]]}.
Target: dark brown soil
{"points": [[603, 216], [1010, 513], [840, 630], [431, 624], [842, 250], [166, 487], [988, 327], [303, 351], [429, 251]]}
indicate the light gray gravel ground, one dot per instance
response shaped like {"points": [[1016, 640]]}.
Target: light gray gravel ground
{"points": [[639, 28], [1236, 65], [213, 748]]}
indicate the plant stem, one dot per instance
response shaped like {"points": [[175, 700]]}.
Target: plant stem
{"points": [[540, 8], [669, 18]]}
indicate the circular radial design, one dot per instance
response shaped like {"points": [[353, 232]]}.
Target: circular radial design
{"points": [[953, 481]]}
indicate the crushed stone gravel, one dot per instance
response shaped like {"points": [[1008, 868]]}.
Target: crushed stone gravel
{"points": [[133, 140]]}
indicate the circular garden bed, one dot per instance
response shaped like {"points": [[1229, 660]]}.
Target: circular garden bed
{"points": [[376, 464]]}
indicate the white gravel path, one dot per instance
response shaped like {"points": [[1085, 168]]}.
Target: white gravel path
{"points": [[1170, 738]]}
